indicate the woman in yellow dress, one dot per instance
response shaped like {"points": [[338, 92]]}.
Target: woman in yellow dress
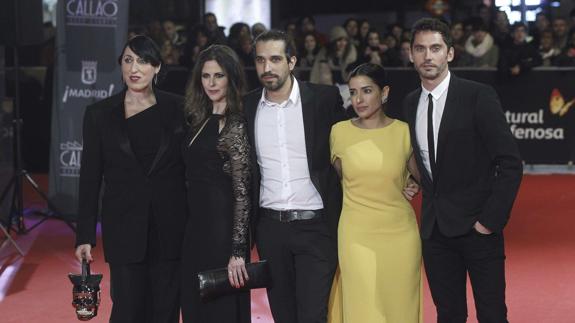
{"points": [[378, 240]]}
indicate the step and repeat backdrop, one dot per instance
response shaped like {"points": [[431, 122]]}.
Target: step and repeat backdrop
{"points": [[90, 36]]}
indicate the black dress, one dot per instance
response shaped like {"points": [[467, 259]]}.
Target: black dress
{"points": [[217, 174]]}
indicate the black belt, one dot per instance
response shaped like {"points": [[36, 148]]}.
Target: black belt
{"points": [[291, 215]]}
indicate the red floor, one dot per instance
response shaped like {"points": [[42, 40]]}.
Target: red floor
{"points": [[540, 266]]}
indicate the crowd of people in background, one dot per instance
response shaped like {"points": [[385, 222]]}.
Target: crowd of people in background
{"points": [[485, 40]]}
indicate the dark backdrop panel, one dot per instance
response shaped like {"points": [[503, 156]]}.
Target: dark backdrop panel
{"points": [[6, 159], [87, 46], [24, 16]]}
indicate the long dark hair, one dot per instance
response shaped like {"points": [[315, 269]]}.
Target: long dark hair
{"points": [[198, 105]]}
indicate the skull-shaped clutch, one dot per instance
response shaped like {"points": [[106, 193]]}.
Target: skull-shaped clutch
{"points": [[86, 292]]}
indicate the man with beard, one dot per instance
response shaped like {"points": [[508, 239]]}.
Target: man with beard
{"points": [[296, 191], [470, 173]]}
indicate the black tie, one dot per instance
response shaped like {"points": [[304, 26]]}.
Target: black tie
{"points": [[430, 140]]}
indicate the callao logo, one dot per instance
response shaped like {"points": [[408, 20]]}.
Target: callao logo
{"points": [[70, 156], [96, 13]]}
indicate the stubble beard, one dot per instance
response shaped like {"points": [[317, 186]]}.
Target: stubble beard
{"points": [[433, 74], [274, 85]]}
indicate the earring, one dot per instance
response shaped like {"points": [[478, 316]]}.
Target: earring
{"points": [[384, 100], [156, 79]]}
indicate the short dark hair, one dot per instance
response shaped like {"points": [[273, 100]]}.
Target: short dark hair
{"points": [[477, 24], [302, 18], [373, 30], [393, 25], [432, 24], [560, 18], [517, 25], [348, 20], [275, 34], [374, 71], [144, 47]]}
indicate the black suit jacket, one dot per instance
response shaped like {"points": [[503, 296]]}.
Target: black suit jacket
{"points": [[478, 167], [322, 107], [130, 193]]}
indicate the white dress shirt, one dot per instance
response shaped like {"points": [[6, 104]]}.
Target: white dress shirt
{"points": [[439, 95], [282, 156]]}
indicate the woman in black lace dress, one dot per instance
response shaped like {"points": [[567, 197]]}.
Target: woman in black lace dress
{"points": [[216, 155]]}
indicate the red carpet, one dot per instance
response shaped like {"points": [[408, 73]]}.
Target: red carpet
{"points": [[540, 266]]}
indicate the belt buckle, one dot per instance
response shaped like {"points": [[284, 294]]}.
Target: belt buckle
{"points": [[286, 216], [282, 215]]}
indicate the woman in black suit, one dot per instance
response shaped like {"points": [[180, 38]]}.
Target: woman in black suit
{"points": [[132, 143], [216, 154]]}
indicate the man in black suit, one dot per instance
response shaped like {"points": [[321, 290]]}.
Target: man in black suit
{"points": [[471, 171], [297, 195]]}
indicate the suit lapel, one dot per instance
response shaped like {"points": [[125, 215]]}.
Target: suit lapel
{"points": [[411, 120], [411, 116], [251, 109], [166, 131], [118, 124], [447, 120], [308, 113], [251, 104]]}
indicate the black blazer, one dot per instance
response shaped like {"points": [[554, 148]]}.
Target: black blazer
{"points": [[478, 167], [130, 194], [322, 107]]}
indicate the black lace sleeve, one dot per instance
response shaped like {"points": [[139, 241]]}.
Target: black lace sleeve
{"points": [[234, 147]]}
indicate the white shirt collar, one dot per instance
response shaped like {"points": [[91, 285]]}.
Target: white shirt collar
{"points": [[439, 89], [293, 97]]}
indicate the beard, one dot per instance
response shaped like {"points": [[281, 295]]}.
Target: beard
{"points": [[433, 73], [273, 84]]}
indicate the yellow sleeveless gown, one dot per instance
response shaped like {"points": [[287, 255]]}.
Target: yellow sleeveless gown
{"points": [[379, 248]]}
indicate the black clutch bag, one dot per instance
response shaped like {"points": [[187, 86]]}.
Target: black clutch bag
{"points": [[215, 283]]}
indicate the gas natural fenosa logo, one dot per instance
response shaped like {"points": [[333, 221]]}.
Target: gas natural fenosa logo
{"points": [[557, 104]]}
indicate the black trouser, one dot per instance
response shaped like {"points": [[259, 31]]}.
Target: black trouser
{"points": [[447, 263], [302, 256], [147, 291]]}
